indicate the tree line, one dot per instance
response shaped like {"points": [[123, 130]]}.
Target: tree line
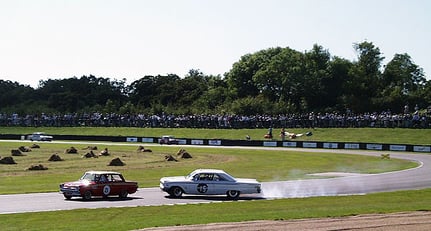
{"points": [[271, 81]]}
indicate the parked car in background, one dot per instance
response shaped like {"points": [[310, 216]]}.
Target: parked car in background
{"points": [[168, 140], [99, 183], [39, 136], [209, 182]]}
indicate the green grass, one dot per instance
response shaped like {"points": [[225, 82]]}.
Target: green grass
{"points": [[147, 168], [371, 135], [156, 216]]}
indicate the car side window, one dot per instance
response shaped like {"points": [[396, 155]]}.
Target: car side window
{"points": [[218, 177], [221, 178], [206, 176], [116, 178], [103, 178]]}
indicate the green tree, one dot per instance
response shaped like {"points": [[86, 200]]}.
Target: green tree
{"points": [[152, 91], [336, 84], [365, 82], [75, 94], [213, 98], [240, 78], [317, 79], [403, 81]]}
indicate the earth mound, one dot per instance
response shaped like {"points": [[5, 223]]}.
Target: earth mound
{"points": [[116, 162], [7, 160], [16, 152], [71, 150], [35, 146], [182, 153], [90, 155], [170, 158], [104, 152], [24, 149], [55, 157], [37, 167]]}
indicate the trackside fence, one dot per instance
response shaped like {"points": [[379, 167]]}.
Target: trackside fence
{"points": [[254, 143]]}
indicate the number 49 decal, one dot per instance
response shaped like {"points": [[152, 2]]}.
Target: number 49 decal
{"points": [[202, 188]]}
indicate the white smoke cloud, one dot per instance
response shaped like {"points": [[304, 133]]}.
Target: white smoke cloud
{"points": [[345, 185]]}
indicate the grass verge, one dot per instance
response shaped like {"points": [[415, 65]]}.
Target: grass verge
{"points": [[157, 216], [370, 135]]}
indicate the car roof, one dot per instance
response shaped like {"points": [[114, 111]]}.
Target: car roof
{"points": [[209, 170], [102, 172]]}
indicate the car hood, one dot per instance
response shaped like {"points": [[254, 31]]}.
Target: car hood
{"points": [[77, 183], [173, 179]]}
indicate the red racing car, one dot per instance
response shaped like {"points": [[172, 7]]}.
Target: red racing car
{"points": [[99, 183]]}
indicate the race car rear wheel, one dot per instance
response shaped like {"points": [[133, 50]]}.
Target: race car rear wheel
{"points": [[123, 194], [176, 192], [232, 194]]}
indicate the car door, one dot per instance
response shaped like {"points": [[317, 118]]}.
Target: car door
{"points": [[202, 184], [99, 189], [221, 185], [116, 183]]}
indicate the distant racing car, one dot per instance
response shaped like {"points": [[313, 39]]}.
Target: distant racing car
{"points": [[209, 182], [39, 136], [168, 140]]}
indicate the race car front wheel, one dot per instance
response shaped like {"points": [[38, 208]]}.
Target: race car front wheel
{"points": [[68, 197], [176, 192], [87, 195]]}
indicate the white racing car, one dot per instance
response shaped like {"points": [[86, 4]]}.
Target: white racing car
{"points": [[209, 182], [39, 136]]}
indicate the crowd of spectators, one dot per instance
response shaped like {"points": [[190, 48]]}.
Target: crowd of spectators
{"points": [[305, 120]]}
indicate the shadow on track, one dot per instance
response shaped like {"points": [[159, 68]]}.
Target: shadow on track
{"points": [[105, 199]]}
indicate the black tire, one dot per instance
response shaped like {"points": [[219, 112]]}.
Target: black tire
{"points": [[67, 196], [87, 195], [123, 194], [176, 192], [232, 194]]}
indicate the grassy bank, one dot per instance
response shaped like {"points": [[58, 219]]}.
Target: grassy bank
{"points": [[371, 135], [148, 167], [141, 217]]}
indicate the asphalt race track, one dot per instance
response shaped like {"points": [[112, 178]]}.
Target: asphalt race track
{"points": [[338, 184]]}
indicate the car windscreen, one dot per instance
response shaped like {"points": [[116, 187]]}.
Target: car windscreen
{"points": [[88, 176]]}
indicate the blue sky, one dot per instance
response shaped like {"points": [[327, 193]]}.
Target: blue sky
{"points": [[132, 38]]}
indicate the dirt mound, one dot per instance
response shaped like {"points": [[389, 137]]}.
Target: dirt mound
{"points": [[182, 153], [170, 158], [90, 148], [16, 152], [143, 149], [7, 160], [55, 157], [24, 149], [35, 146], [116, 162], [71, 150], [104, 152], [90, 155], [37, 167]]}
